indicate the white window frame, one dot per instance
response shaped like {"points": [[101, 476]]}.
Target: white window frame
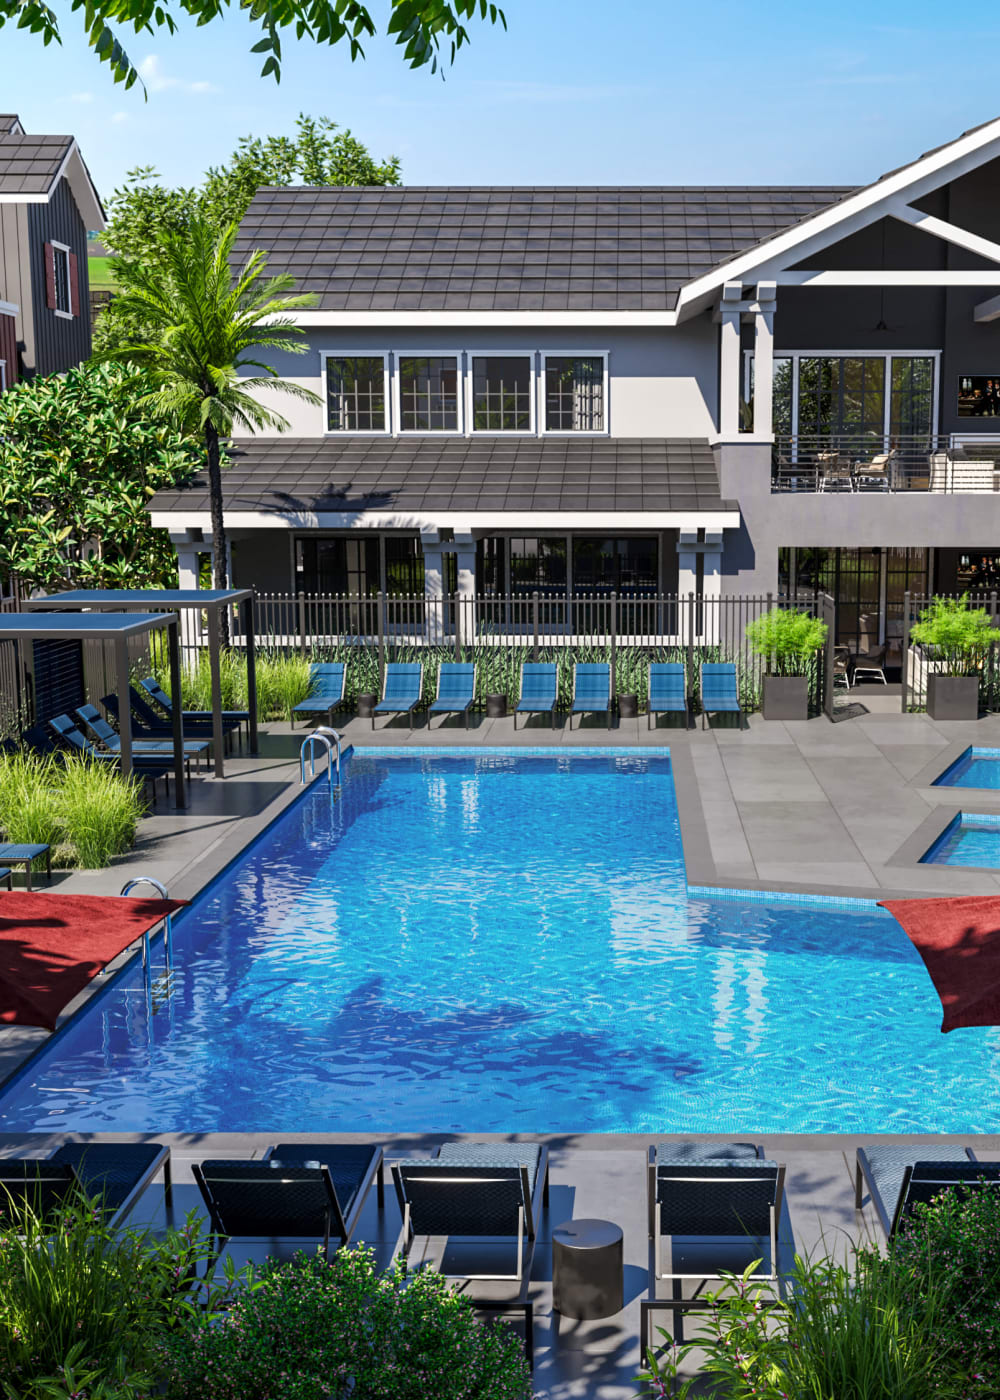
{"points": [[397, 399], [356, 354], [887, 355], [3, 375], [575, 353], [518, 354], [65, 250]]}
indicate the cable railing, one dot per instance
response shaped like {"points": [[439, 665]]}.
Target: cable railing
{"points": [[869, 462]]}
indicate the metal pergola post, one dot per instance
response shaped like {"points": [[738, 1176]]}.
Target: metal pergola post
{"points": [[174, 646], [216, 673], [124, 705], [250, 642]]}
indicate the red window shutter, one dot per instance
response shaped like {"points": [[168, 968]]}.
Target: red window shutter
{"points": [[74, 286], [50, 276]]}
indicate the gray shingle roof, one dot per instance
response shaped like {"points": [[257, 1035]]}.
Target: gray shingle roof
{"points": [[29, 164], [512, 248], [291, 475]]}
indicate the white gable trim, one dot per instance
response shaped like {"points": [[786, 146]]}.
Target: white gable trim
{"points": [[849, 215]]}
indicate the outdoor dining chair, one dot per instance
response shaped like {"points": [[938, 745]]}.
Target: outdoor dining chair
{"points": [[539, 690], [719, 690], [401, 690], [713, 1191], [116, 1173], [591, 690], [898, 1178], [667, 690], [478, 1192], [328, 680], [456, 690], [302, 1190]]}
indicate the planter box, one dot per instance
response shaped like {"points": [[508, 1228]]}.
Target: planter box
{"points": [[786, 697], [953, 697]]}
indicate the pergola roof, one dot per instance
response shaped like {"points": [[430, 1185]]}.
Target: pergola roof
{"points": [[105, 598], [79, 626]]}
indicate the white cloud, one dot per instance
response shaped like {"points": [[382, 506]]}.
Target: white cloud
{"points": [[152, 74], [120, 117]]}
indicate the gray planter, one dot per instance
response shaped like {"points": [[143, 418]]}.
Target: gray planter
{"points": [[628, 706], [953, 697], [786, 697]]}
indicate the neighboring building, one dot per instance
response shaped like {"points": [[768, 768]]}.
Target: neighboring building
{"points": [[649, 390], [47, 204]]}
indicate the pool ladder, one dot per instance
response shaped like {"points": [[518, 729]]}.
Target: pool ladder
{"points": [[168, 937], [322, 734]]}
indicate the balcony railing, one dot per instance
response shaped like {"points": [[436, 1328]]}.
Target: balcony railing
{"points": [[869, 462]]}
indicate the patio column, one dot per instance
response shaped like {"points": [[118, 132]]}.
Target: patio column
{"points": [[465, 605], [187, 567], [729, 359], [763, 359], [430, 544]]}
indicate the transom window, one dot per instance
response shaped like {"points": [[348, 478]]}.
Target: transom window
{"points": [[501, 393], [428, 393], [355, 394], [574, 394]]}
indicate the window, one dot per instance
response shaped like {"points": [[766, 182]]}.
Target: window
{"points": [[428, 394], [537, 565], [356, 394], [332, 565], [60, 291], [574, 394], [627, 565], [501, 393]]}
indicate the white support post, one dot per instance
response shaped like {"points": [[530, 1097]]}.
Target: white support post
{"points": [[187, 568], [763, 360], [729, 359], [430, 544], [465, 561]]}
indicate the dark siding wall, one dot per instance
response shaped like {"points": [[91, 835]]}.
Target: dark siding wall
{"points": [[58, 667], [15, 274], [8, 348], [60, 343]]}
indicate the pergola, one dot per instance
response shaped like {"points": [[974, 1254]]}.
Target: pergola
{"points": [[177, 600], [116, 628]]}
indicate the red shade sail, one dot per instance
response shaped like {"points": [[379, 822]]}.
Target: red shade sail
{"points": [[51, 945], [959, 941]]}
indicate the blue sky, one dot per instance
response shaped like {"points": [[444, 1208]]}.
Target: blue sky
{"points": [[576, 92]]}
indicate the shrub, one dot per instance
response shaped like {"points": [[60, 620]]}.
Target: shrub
{"points": [[787, 638], [282, 681], [312, 1330], [29, 799], [842, 1334], [961, 636], [100, 811]]}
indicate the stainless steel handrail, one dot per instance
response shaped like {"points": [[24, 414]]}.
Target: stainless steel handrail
{"points": [[323, 734], [168, 931]]}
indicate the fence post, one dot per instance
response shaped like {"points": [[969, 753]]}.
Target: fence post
{"points": [[904, 660], [614, 639], [302, 623], [690, 644], [830, 652], [534, 625], [381, 638]]}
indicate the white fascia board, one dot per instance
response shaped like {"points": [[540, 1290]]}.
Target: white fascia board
{"points": [[9, 308], [455, 520], [88, 201], [846, 216], [917, 277], [987, 310], [951, 233], [479, 320]]}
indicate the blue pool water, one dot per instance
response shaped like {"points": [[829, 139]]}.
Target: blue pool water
{"points": [[973, 838], [501, 941], [976, 768]]}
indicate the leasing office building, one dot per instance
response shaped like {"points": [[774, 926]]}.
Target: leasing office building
{"points": [[648, 389]]}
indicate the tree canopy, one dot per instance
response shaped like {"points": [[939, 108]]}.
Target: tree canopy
{"points": [[426, 30], [79, 459]]}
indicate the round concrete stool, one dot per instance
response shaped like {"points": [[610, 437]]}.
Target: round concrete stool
{"points": [[587, 1269]]}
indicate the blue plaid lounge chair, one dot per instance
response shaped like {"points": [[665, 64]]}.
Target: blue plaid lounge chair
{"points": [[714, 1191], [539, 690], [90, 716], [898, 1178], [479, 1191], [719, 690], [456, 690], [401, 690], [115, 1172], [667, 690], [591, 690], [300, 1190], [326, 694]]}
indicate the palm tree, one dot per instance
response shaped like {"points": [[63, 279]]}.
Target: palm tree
{"points": [[204, 321]]}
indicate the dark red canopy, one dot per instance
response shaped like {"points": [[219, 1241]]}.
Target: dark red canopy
{"points": [[51, 945], [959, 941]]}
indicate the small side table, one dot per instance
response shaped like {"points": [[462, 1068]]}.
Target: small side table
{"points": [[588, 1269], [496, 707], [366, 704], [23, 855]]}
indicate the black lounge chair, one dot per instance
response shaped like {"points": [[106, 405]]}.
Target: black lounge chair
{"points": [[709, 1191], [102, 731], [147, 766], [300, 1190], [231, 719], [115, 1172], [147, 723], [491, 1191], [898, 1178]]}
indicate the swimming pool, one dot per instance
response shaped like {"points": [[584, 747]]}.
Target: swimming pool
{"points": [[490, 940], [976, 768], [972, 838]]}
